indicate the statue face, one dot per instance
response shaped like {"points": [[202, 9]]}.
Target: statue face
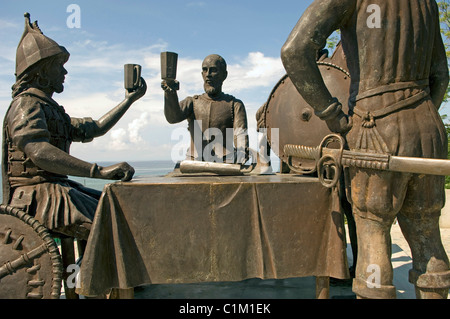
{"points": [[213, 75], [56, 74]]}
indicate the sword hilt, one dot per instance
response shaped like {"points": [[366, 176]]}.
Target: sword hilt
{"points": [[304, 152], [301, 151], [328, 161]]}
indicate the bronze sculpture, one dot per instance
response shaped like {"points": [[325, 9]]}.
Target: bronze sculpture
{"points": [[286, 110], [399, 76], [210, 116], [37, 134]]}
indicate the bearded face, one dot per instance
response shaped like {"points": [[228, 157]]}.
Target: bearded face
{"points": [[56, 74], [213, 73], [211, 90], [47, 75]]}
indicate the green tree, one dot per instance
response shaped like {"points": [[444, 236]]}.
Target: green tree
{"points": [[444, 15]]}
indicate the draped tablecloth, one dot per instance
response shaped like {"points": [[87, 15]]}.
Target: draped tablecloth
{"points": [[188, 229]]}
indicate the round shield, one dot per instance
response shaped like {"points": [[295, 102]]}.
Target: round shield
{"points": [[30, 263], [290, 120]]}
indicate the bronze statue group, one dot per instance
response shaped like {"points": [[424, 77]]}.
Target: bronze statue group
{"points": [[399, 75]]}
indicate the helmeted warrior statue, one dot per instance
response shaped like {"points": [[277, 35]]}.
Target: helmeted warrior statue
{"points": [[37, 134], [217, 122], [399, 75]]}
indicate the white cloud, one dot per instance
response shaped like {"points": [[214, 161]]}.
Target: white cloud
{"points": [[94, 85], [92, 105], [135, 127], [256, 70], [130, 138], [118, 139], [104, 57]]}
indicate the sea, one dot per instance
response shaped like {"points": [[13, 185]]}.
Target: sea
{"points": [[142, 168]]}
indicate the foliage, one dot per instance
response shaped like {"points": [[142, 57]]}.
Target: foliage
{"points": [[444, 15], [447, 127], [333, 40]]}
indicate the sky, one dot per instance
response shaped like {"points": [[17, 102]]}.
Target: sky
{"points": [[249, 34]]}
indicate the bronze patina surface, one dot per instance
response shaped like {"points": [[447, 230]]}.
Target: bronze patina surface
{"points": [[234, 228], [399, 75], [287, 111], [37, 135], [217, 121]]}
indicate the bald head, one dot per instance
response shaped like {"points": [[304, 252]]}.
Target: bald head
{"points": [[214, 72], [216, 60]]}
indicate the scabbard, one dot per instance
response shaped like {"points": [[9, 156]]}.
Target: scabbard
{"points": [[415, 165], [403, 164], [428, 166]]}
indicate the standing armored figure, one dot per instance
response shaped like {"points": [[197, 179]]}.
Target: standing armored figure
{"points": [[37, 134], [399, 76], [211, 115]]}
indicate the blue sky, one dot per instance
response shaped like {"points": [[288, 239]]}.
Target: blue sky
{"points": [[247, 33]]}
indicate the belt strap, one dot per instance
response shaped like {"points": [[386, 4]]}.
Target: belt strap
{"points": [[391, 88], [370, 116]]}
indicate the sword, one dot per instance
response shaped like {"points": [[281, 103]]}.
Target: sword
{"points": [[329, 161]]}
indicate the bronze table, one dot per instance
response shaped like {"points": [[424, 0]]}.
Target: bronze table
{"points": [[189, 229]]}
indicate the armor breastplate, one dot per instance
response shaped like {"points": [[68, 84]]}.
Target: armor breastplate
{"points": [[58, 124], [216, 117]]}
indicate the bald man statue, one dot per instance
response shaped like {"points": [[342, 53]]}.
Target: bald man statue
{"points": [[217, 122]]}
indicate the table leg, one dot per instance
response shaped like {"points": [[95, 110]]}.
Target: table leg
{"points": [[68, 258], [322, 287]]}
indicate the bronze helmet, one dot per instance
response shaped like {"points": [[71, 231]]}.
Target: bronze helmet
{"points": [[34, 46]]}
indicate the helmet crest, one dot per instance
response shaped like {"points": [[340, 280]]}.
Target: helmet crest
{"points": [[34, 46]]}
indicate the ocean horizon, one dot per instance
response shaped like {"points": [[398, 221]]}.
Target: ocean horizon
{"points": [[142, 169]]}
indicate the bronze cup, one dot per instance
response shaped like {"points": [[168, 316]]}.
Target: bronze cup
{"points": [[132, 76]]}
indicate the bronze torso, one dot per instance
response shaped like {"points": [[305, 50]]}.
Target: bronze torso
{"points": [[34, 116], [58, 126], [216, 116], [51, 198], [404, 43], [214, 113], [390, 85]]}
